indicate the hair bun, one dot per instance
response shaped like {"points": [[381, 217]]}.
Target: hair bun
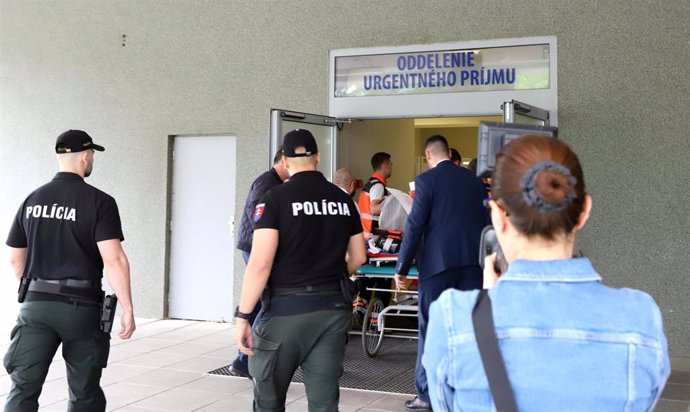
{"points": [[548, 186], [553, 186]]}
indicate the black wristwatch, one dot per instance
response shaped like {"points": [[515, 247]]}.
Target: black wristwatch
{"points": [[241, 315]]}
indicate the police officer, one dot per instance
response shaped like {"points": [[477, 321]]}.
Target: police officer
{"points": [[307, 238], [63, 235]]}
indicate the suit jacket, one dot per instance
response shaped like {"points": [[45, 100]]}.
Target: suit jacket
{"points": [[446, 221]]}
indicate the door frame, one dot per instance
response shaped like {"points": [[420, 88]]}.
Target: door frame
{"points": [[276, 132], [513, 107], [168, 217]]}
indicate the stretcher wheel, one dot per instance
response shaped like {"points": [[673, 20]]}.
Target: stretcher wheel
{"points": [[372, 335]]}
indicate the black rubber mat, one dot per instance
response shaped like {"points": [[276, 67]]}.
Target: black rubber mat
{"points": [[391, 370]]}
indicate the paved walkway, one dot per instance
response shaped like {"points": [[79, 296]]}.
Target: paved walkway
{"points": [[163, 369]]}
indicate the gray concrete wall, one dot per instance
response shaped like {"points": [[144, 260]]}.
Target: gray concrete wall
{"points": [[218, 67]]}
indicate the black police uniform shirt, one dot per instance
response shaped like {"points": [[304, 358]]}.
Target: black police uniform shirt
{"points": [[60, 224], [315, 220]]}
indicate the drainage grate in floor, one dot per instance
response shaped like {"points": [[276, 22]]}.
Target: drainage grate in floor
{"points": [[224, 371], [392, 370]]}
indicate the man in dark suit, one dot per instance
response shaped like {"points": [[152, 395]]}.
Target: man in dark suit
{"points": [[444, 226]]}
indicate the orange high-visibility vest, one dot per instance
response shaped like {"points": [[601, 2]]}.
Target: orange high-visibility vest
{"points": [[369, 221]]}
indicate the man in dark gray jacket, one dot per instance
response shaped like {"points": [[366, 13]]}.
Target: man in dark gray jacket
{"points": [[262, 184]]}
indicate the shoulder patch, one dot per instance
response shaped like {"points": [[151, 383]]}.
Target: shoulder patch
{"points": [[258, 212]]}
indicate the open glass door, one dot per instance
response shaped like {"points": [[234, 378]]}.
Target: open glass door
{"points": [[523, 113], [323, 128]]}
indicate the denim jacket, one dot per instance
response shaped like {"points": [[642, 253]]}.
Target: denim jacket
{"points": [[569, 343]]}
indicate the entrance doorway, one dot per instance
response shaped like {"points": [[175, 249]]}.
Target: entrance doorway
{"points": [[404, 140]]}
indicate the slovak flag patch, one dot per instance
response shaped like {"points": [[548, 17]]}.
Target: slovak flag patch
{"points": [[258, 212]]}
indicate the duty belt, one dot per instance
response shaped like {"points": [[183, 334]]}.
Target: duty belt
{"points": [[304, 290], [68, 289], [74, 283]]}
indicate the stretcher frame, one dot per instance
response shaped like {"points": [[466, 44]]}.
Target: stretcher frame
{"points": [[373, 331]]}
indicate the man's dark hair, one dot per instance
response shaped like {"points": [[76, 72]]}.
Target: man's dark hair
{"points": [[378, 159], [278, 156], [455, 155], [437, 145], [473, 165]]}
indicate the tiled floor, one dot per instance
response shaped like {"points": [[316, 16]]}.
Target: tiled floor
{"points": [[163, 369]]}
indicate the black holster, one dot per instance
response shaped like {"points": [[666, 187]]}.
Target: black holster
{"points": [[23, 288], [108, 313]]}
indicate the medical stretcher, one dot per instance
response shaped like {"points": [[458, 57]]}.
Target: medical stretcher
{"points": [[374, 323]]}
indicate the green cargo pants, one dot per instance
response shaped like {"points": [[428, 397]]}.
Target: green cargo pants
{"points": [[41, 328], [316, 341]]}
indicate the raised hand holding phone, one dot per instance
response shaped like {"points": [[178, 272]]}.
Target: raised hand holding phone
{"points": [[491, 257]]}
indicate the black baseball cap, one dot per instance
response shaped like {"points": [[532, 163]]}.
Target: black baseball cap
{"points": [[299, 138], [73, 141]]}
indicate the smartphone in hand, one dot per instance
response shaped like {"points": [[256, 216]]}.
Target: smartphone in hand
{"points": [[489, 245]]}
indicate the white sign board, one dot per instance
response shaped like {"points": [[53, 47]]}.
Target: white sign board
{"points": [[443, 71], [450, 79]]}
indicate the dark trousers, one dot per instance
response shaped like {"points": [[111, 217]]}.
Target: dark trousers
{"points": [[41, 327], [463, 278], [316, 342], [241, 362]]}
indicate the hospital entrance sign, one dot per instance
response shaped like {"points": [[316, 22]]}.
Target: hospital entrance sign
{"points": [[499, 70]]}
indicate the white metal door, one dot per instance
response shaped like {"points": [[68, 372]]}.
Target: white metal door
{"points": [[324, 129], [201, 241]]}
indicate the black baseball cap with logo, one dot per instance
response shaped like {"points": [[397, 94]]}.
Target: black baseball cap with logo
{"points": [[299, 138], [73, 141]]}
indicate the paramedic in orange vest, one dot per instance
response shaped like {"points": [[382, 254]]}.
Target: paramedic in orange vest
{"points": [[374, 192]]}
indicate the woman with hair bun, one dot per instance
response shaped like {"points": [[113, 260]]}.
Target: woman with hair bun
{"points": [[568, 342]]}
